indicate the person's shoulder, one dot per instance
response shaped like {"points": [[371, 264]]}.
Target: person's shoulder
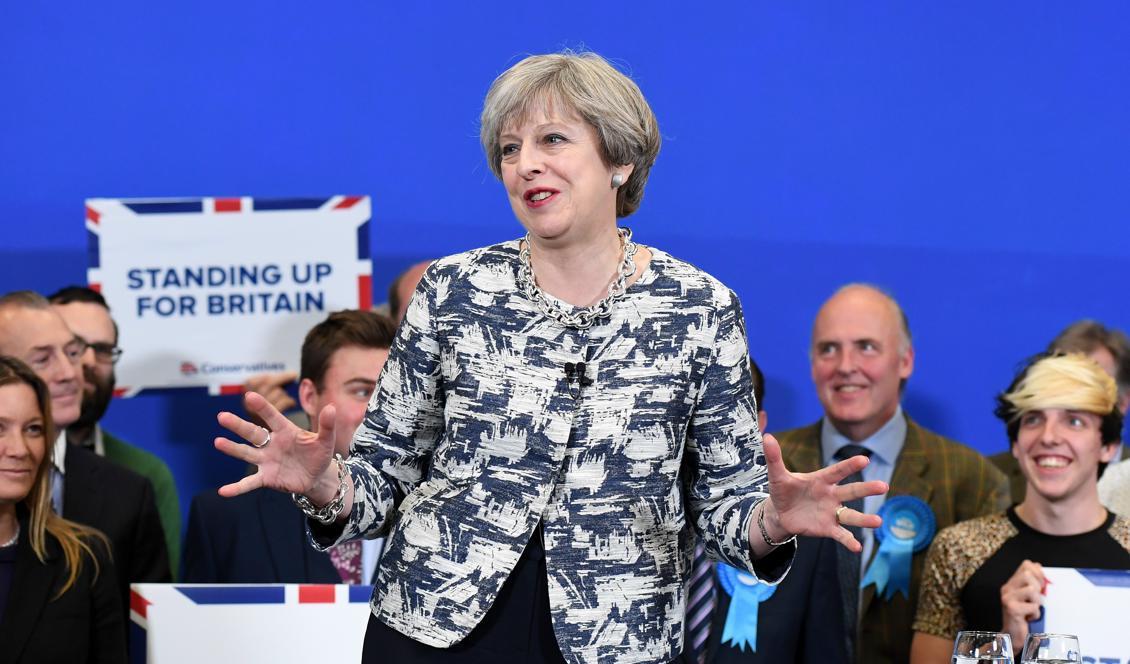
{"points": [[800, 447], [244, 511], [1119, 469], [965, 534], [1114, 487], [937, 443], [1117, 473], [1003, 459], [492, 268], [135, 458], [1120, 530], [210, 505], [1006, 463], [691, 277], [111, 474], [502, 253], [97, 543], [804, 435]]}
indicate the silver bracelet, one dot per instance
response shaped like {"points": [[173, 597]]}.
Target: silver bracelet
{"points": [[328, 513], [764, 532]]}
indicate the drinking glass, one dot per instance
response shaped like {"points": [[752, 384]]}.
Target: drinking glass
{"points": [[982, 647], [1050, 649]]}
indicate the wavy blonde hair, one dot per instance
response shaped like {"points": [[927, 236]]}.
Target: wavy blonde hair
{"points": [[73, 538]]}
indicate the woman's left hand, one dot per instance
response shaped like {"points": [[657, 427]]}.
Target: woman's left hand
{"points": [[807, 503]]}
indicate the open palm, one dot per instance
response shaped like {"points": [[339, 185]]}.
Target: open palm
{"points": [[806, 503], [293, 461]]}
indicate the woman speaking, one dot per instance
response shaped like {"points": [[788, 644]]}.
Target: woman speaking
{"points": [[555, 410]]}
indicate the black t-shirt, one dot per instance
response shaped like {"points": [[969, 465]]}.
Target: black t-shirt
{"points": [[981, 596]]}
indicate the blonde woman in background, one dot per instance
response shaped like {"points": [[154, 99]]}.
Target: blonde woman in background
{"points": [[58, 589]]}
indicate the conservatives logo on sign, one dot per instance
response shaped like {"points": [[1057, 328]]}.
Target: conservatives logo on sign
{"points": [[209, 368]]}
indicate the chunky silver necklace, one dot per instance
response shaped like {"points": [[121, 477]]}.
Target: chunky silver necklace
{"points": [[15, 538], [581, 318]]}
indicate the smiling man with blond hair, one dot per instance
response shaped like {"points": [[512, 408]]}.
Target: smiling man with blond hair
{"points": [[986, 574]]}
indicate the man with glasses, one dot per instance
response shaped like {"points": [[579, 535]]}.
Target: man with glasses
{"points": [[86, 488], [87, 315]]}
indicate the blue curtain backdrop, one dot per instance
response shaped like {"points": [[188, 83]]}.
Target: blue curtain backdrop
{"points": [[971, 157]]}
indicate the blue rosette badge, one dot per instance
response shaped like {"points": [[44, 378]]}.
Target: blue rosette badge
{"points": [[746, 593], [908, 527]]}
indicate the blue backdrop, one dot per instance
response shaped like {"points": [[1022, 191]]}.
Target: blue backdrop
{"points": [[971, 157]]}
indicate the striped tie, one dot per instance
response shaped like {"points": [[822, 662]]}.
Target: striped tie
{"points": [[700, 606]]}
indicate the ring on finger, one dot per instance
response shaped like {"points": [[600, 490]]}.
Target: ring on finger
{"points": [[839, 511], [268, 440]]}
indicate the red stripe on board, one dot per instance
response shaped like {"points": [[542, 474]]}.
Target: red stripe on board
{"points": [[321, 594], [227, 205], [231, 389], [97, 288], [365, 292], [138, 604], [348, 202], [120, 391], [92, 214]]}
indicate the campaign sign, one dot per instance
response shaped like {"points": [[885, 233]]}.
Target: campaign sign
{"points": [[175, 623], [1092, 604], [209, 291]]}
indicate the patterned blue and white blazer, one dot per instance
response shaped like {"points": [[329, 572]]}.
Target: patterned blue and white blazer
{"points": [[474, 436]]}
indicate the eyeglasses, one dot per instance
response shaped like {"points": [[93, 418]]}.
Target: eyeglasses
{"points": [[104, 352]]}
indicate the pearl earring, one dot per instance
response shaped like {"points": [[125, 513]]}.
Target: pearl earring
{"points": [[617, 180]]}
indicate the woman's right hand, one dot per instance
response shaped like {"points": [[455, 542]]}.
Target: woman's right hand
{"points": [[295, 460]]}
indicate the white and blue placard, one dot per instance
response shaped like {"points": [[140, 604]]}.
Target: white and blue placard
{"points": [[246, 623], [1093, 604], [908, 527], [209, 291], [746, 595]]}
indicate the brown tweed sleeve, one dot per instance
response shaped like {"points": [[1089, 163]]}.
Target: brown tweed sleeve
{"points": [[956, 553]]}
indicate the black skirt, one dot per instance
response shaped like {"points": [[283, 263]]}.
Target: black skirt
{"points": [[517, 628]]}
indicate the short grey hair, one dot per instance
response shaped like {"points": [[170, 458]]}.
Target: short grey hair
{"points": [[24, 299], [597, 92]]}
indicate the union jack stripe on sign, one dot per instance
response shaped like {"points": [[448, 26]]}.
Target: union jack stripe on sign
{"points": [[173, 623]]}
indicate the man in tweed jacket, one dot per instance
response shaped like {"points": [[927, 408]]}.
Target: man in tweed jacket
{"points": [[861, 357]]}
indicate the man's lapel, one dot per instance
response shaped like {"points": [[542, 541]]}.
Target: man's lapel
{"points": [[82, 501], [908, 479]]}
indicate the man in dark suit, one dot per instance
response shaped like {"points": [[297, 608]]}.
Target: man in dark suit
{"points": [[811, 588], [861, 357], [1110, 348], [86, 314], [260, 537], [87, 488]]}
